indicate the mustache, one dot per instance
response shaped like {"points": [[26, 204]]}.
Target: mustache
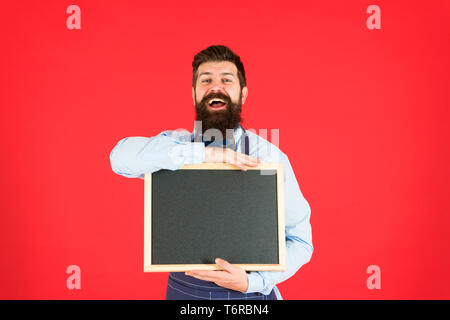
{"points": [[212, 95]]}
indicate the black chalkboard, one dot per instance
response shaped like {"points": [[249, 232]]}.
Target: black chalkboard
{"points": [[208, 211]]}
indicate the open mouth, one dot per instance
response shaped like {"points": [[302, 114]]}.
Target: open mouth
{"points": [[217, 103]]}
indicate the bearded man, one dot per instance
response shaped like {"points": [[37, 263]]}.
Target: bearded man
{"points": [[219, 90]]}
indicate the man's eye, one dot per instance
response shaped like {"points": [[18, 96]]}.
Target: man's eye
{"points": [[227, 80], [206, 80]]}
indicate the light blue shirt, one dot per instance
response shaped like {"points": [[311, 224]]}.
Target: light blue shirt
{"points": [[132, 157]]}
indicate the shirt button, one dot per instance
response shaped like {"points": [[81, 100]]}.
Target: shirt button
{"points": [[258, 294]]}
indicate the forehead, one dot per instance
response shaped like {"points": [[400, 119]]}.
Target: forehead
{"points": [[217, 67]]}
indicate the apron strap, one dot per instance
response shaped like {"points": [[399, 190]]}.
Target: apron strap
{"points": [[246, 143]]}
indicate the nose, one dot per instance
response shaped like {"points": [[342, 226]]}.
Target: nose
{"points": [[217, 85]]}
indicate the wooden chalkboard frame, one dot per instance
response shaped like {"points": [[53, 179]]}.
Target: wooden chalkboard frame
{"points": [[281, 266]]}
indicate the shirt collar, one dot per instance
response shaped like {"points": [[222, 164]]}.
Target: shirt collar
{"points": [[237, 133]]}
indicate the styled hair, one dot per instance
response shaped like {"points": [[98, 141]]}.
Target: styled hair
{"points": [[218, 53]]}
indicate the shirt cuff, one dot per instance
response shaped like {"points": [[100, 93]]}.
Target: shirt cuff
{"points": [[255, 282], [194, 152]]}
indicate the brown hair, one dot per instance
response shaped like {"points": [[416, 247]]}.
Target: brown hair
{"points": [[218, 53]]}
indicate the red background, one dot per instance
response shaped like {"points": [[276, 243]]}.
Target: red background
{"points": [[363, 116]]}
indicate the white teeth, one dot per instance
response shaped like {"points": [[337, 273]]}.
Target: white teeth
{"points": [[216, 100]]}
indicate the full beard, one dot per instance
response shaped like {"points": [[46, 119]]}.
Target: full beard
{"points": [[221, 120]]}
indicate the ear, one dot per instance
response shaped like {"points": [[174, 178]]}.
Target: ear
{"points": [[244, 94], [193, 95]]}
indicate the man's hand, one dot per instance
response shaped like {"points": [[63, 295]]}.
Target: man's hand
{"points": [[229, 156], [231, 277]]}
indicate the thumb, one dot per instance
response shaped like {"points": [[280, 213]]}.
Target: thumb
{"points": [[224, 264]]}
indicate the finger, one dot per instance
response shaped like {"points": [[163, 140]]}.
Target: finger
{"points": [[225, 265], [202, 277], [240, 161], [249, 163], [232, 158], [208, 275], [248, 159], [205, 273], [245, 164], [252, 159], [240, 166]]}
